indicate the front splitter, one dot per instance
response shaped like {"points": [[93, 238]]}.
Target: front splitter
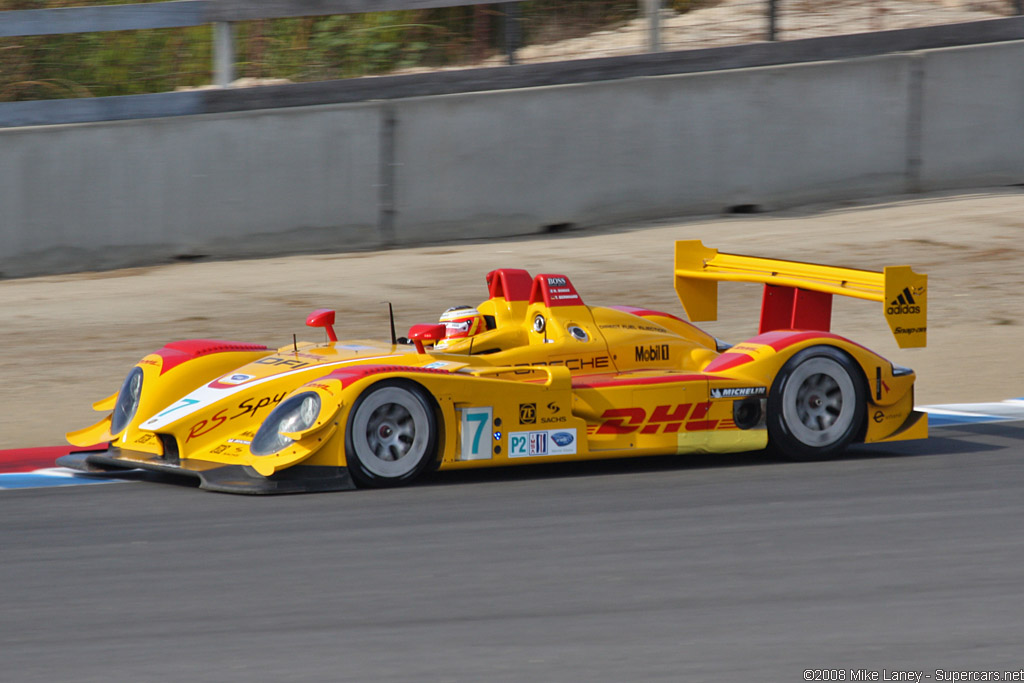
{"points": [[214, 476]]}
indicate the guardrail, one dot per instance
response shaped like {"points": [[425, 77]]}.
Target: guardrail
{"points": [[223, 14], [184, 13]]}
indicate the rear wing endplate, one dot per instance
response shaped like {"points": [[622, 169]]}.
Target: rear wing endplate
{"points": [[799, 295]]}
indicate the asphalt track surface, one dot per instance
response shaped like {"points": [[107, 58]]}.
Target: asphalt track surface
{"points": [[701, 568]]}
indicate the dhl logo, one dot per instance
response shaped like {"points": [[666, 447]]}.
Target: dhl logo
{"points": [[690, 417]]}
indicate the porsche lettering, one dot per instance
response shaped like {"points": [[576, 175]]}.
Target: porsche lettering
{"points": [[574, 364]]}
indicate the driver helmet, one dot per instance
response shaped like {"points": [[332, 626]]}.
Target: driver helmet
{"points": [[461, 322]]}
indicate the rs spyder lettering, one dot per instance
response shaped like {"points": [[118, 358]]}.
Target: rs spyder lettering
{"points": [[249, 406]]}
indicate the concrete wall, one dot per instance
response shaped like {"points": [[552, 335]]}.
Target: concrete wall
{"points": [[334, 177], [495, 163], [107, 194], [972, 130]]}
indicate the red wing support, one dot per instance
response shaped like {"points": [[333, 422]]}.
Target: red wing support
{"points": [[792, 308]]}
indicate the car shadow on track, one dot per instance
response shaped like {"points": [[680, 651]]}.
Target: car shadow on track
{"points": [[955, 440], [959, 440]]}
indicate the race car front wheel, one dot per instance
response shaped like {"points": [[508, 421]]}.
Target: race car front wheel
{"points": [[392, 435], [816, 405]]}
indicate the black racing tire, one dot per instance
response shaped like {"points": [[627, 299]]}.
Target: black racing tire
{"points": [[817, 405], [391, 437]]}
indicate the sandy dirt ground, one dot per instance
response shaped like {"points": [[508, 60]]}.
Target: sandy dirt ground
{"points": [[68, 340]]}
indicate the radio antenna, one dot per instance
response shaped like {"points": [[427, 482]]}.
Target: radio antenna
{"points": [[391, 315]]}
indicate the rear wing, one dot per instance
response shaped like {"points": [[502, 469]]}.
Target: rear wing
{"points": [[799, 295]]}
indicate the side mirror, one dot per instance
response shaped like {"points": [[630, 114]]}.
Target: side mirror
{"points": [[425, 332], [323, 317]]}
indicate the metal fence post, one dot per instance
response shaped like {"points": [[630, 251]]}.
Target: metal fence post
{"points": [[773, 19], [223, 54], [652, 8], [513, 30]]}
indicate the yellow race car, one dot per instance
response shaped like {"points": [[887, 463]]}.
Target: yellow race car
{"points": [[532, 374]]}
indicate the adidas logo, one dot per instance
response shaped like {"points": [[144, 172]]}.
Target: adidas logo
{"points": [[903, 304]]}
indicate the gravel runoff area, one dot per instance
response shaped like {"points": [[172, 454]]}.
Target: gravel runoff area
{"points": [[730, 22], [68, 340]]}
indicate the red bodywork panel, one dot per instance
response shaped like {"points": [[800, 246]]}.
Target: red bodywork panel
{"points": [[176, 353]]}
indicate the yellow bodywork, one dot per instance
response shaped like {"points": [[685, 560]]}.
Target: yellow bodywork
{"points": [[552, 380]]}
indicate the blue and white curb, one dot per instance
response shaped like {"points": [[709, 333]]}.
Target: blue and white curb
{"points": [[974, 413], [50, 476], [948, 415]]}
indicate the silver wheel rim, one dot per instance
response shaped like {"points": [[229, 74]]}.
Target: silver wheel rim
{"points": [[390, 432], [818, 402]]}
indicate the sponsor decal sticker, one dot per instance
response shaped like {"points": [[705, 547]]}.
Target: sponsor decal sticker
{"points": [[651, 352], [437, 365], [739, 392], [574, 364], [667, 419], [286, 362], [528, 413], [563, 438], [542, 443], [905, 303], [474, 426], [236, 379]]}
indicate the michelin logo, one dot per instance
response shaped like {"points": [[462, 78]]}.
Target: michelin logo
{"points": [[739, 392]]}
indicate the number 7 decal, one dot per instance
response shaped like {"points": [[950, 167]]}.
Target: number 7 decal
{"points": [[475, 428]]}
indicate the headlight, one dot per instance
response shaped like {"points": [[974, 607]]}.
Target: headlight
{"points": [[294, 415], [127, 401]]}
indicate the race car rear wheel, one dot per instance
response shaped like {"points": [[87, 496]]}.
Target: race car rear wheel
{"points": [[816, 405], [392, 435]]}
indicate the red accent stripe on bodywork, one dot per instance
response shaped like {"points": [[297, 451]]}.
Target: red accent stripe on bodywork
{"points": [[597, 381], [777, 340], [176, 353], [781, 339], [349, 375], [646, 312], [727, 361]]}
